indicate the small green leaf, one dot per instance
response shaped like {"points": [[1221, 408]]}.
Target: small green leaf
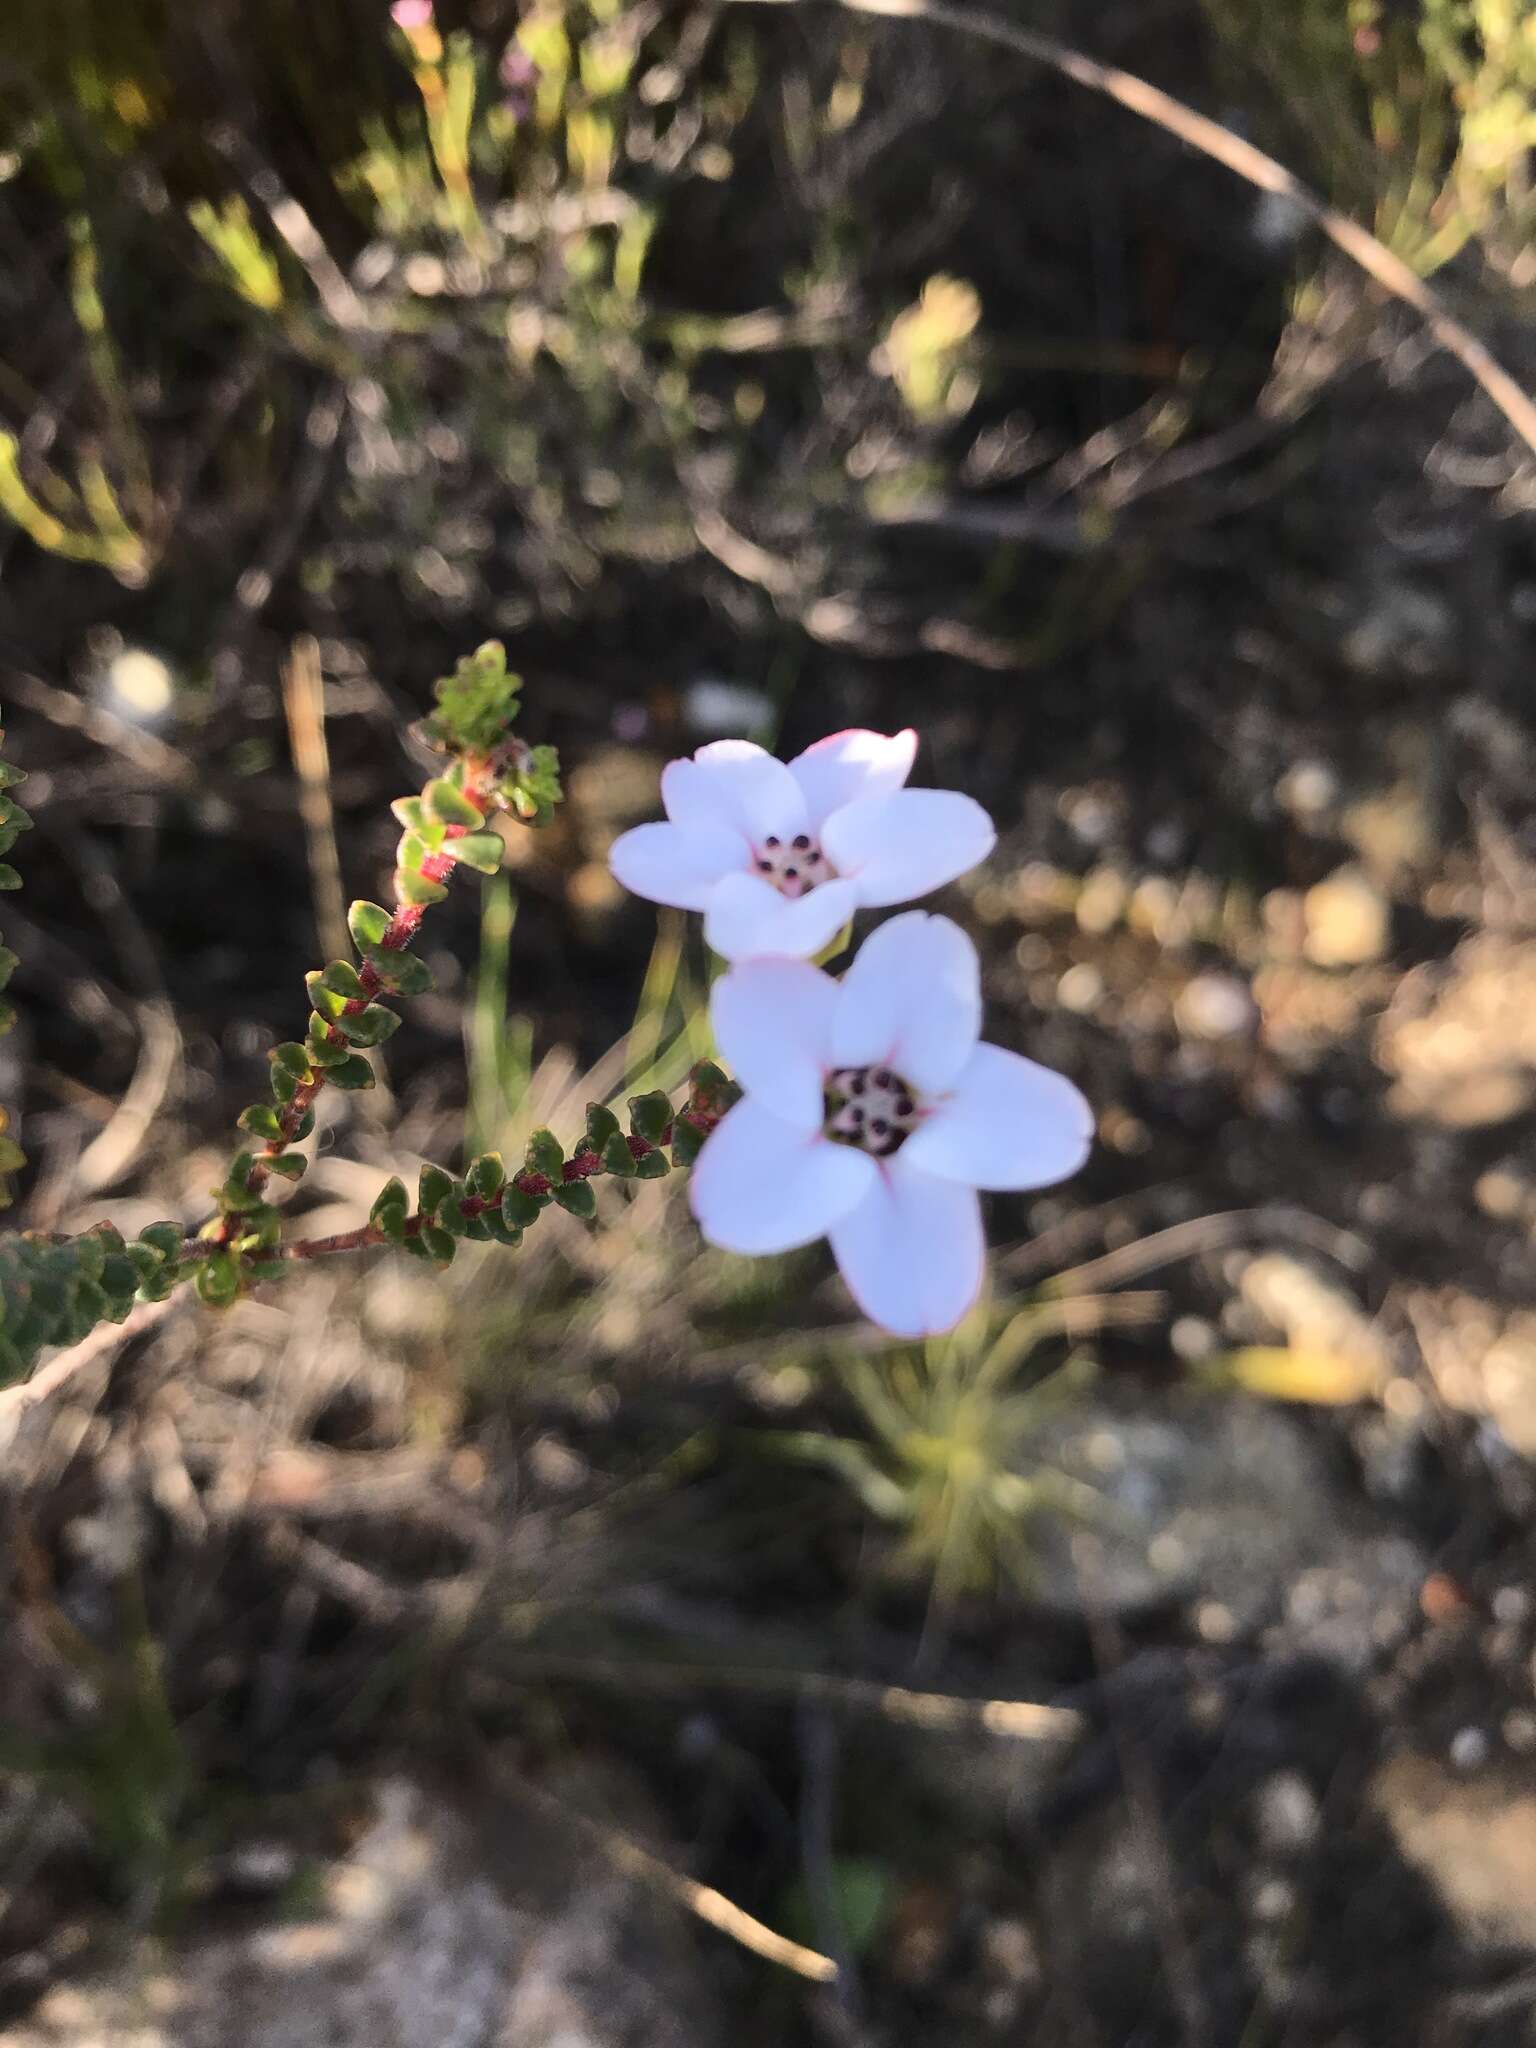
{"points": [[7, 1017], [164, 1238], [486, 1176], [687, 1142], [293, 1059], [500, 1231], [545, 1154], [218, 1279], [439, 1245], [576, 1198], [650, 1114], [90, 1256], [371, 1026], [235, 1195], [341, 978], [602, 1125], [9, 879], [367, 922], [433, 1189], [410, 811], [518, 1209], [261, 1120], [323, 1052], [483, 851], [9, 776], [325, 1002], [652, 1166], [352, 1073], [12, 1158], [415, 888], [617, 1156], [288, 1165], [449, 804], [450, 1213], [401, 974], [390, 1209]]}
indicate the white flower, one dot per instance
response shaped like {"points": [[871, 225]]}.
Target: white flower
{"points": [[778, 857], [871, 1116]]}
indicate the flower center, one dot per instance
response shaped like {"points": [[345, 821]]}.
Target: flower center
{"points": [[870, 1108], [793, 866]]}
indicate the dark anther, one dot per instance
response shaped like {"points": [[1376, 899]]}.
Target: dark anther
{"points": [[882, 1078], [770, 842], [856, 1114], [802, 841], [904, 1106], [791, 874], [858, 1084], [765, 867], [879, 1127]]}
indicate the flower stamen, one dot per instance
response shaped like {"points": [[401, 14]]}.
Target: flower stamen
{"points": [[794, 870], [871, 1109]]}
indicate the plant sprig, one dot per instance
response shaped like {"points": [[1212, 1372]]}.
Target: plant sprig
{"points": [[487, 769], [54, 1289]]}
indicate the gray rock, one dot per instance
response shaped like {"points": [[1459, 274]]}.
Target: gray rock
{"points": [[419, 1939]]}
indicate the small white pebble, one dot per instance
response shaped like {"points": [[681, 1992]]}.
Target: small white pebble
{"points": [[1215, 1006], [1287, 1813], [1470, 1748], [1080, 989]]}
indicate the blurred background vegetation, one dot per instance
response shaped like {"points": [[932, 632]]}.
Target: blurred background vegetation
{"points": [[766, 369]]}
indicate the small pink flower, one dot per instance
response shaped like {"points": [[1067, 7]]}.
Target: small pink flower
{"points": [[519, 77], [871, 1115], [779, 856], [409, 16]]}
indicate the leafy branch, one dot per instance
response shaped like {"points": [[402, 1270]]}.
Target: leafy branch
{"points": [[55, 1290]]}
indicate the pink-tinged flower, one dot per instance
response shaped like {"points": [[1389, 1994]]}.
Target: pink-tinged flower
{"points": [[411, 15], [779, 856], [519, 77], [871, 1116]]}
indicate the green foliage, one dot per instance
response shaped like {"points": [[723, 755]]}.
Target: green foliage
{"points": [[390, 1210], [444, 798], [946, 1459], [1422, 118], [55, 1291], [545, 1155], [477, 704], [480, 850], [367, 922], [577, 1198]]}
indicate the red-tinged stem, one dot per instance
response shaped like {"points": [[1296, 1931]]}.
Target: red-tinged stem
{"points": [[479, 788], [583, 1166]]}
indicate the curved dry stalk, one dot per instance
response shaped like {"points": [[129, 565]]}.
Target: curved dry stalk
{"points": [[1200, 132]]}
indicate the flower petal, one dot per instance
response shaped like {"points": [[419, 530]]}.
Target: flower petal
{"points": [[745, 919], [912, 1001], [1007, 1123], [677, 864], [907, 843], [734, 783], [773, 1023], [912, 1252], [851, 764], [760, 1185]]}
